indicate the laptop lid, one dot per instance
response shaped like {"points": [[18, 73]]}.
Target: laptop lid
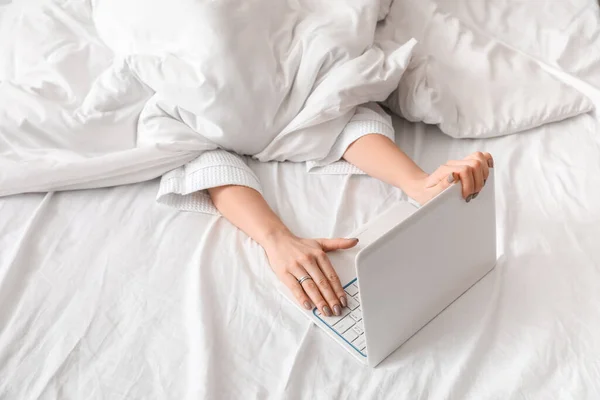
{"points": [[411, 273]]}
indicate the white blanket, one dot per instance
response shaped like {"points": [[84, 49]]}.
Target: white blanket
{"points": [[105, 93], [115, 92]]}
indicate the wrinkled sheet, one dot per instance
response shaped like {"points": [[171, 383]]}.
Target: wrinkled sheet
{"points": [[100, 93], [106, 294]]}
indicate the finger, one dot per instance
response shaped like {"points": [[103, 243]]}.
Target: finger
{"points": [[323, 285], [479, 156], [489, 160], [477, 168], [336, 244], [312, 291], [442, 177], [292, 283], [332, 276], [470, 161], [465, 175]]}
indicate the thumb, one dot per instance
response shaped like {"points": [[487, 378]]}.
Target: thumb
{"points": [[336, 244], [437, 182], [450, 179], [441, 179]]}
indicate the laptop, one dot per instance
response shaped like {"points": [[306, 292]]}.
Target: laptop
{"points": [[409, 265]]}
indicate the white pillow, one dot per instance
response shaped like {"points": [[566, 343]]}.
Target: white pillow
{"points": [[243, 75], [384, 9], [469, 84]]}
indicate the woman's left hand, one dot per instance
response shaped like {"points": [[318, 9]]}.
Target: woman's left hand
{"points": [[472, 172]]}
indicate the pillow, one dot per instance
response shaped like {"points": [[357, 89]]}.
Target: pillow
{"points": [[243, 76], [384, 9], [471, 85]]}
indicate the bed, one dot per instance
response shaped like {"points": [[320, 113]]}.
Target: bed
{"points": [[106, 294]]}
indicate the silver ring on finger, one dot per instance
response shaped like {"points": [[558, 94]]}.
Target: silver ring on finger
{"points": [[304, 278]]}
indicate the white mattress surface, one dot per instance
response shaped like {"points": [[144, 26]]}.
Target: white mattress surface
{"points": [[106, 294]]}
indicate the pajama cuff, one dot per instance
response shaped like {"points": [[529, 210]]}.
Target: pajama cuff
{"points": [[369, 119], [185, 188]]}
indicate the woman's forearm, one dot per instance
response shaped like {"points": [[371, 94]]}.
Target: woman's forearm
{"points": [[381, 158], [247, 209], [300, 263]]}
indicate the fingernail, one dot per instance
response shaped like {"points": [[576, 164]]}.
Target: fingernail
{"points": [[491, 163], [469, 198], [307, 305], [450, 178], [327, 311], [337, 310], [474, 196], [355, 239], [344, 301]]}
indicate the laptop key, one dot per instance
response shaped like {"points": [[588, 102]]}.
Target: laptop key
{"points": [[356, 315], [352, 290], [359, 328], [334, 319], [350, 335], [360, 342], [352, 303], [343, 325]]}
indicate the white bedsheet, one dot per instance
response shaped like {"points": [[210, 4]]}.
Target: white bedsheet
{"points": [[106, 294]]}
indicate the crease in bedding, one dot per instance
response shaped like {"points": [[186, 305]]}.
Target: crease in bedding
{"points": [[562, 34], [158, 307], [178, 291], [156, 98], [470, 83], [111, 93]]}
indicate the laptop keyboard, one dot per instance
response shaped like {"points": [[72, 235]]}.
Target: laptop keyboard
{"points": [[349, 325]]}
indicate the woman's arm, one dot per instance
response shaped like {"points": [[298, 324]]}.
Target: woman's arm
{"points": [[380, 157], [248, 210], [290, 257]]}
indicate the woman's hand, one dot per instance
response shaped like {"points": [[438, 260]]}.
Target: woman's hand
{"points": [[290, 257], [293, 258], [472, 171]]}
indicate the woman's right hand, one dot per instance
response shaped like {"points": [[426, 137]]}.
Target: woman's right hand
{"points": [[292, 258], [472, 172]]}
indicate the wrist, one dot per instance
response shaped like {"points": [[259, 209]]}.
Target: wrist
{"points": [[414, 185], [272, 236]]}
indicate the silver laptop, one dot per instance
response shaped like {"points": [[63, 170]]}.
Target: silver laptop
{"points": [[409, 265]]}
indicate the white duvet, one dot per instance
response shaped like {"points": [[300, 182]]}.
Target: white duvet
{"points": [[104, 93], [111, 93]]}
